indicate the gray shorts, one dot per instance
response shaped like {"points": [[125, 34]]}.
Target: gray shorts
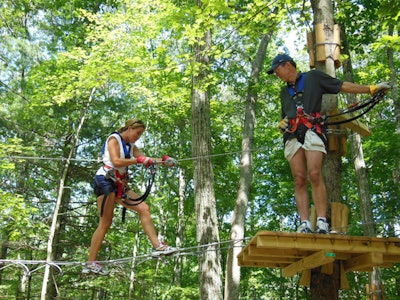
{"points": [[311, 142]]}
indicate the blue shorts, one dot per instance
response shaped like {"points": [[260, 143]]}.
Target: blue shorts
{"points": [[102, 186]]}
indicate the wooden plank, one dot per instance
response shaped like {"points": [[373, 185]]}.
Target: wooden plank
{"points": [[344, 283], [260, 264], [327, 268], [367, 260], [305, 279], [371, 268], [391, 258], [332, 243], [289, 253], [315, 260], [354, 125], [294, 251]]}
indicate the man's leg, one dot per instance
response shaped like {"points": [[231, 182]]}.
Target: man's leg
{"points": [[298, 168], [314, 166]]}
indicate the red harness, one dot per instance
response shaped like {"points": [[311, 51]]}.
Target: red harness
{"points": [[306, 119], [118, 178]]}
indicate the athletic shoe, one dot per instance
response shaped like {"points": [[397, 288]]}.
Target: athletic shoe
{"points": [[304, 227], [163, 249], [322, 226], [96, 268]]}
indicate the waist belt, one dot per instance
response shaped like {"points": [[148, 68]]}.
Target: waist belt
{"points": [[117, 177], [311, 121]]}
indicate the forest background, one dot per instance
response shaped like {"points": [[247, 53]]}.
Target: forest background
{"points": [[73, 71]]}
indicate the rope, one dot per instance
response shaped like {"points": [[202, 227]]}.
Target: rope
{"points": [[140, 199], [16, 157], [369, 104], [140, 258]]}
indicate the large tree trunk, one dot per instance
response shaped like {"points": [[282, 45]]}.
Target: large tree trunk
{"points": [[232, 279], [396, 100], [395, 97], [206, 215], [332, 169], [362, 178]]}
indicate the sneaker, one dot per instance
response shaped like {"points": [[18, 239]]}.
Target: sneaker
{"points": [[304, 227], [163, 249], [322, 226], [96, 268]]}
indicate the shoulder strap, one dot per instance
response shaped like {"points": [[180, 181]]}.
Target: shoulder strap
{"points": [[300, 86], [125, 147]]}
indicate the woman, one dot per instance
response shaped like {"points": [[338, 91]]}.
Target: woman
{"points": [[110, 186]]}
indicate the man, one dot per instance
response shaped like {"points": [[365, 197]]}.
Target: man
{"points": [[304, 137]]}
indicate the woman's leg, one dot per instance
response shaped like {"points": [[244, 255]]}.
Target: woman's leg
{"points": [[143, 210], [104, 224]]}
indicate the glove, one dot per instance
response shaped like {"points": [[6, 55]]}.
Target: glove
{"points": [[169, 161], [373, 89], [283, 124], [146, 161]]}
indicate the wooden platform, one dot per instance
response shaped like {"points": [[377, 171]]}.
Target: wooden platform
{"points": [[297, 252]]}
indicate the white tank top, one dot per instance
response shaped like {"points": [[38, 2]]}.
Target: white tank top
{"points": [[106, 156]]}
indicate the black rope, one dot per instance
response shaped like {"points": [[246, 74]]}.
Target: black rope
{"points": [[369, 104], [142, 198]]}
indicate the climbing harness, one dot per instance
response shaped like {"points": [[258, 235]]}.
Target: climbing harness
{"points": [[309, 120], [304, 121], [120, 181], [318, 122], [120, 177]]}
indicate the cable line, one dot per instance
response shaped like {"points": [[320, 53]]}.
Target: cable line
{"points": [[194, 251]]}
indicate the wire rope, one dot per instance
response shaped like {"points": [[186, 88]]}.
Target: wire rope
{"points": [[138, 259]]}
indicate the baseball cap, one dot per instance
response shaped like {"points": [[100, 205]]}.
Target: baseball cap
{"points": [[280, 58]]}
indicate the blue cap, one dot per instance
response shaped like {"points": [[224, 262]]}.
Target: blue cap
{"points": [[279, 59]]}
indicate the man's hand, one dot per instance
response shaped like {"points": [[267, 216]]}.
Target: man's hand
{"points": [[146, 161], [283, 125], [379, 87], [169, 161]]}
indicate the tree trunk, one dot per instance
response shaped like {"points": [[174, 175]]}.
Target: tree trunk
{"points": [[48, 290], [206, 215], [396, 100], [232, 279], [332, 169], [181, 228], [325, 286], [362, 177], [132, 278]]}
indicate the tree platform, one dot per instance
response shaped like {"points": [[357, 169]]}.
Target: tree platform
{"points": [[301, 252]]}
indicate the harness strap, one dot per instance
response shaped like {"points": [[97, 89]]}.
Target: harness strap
{"points": [[136, 201], [300, 87], [140, 199], [369, 104], [117, 177], [311, 121]]}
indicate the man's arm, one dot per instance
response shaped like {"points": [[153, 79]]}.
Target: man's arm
{"points": [[354, 88]]}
